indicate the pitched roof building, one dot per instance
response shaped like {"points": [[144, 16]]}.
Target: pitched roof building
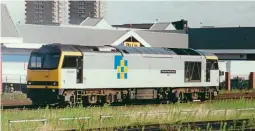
{"points": [[149, 26], [8, 28], [96, 22], [9, 33], [84, 35]]}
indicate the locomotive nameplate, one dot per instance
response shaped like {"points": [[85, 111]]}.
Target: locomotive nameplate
{"points": [[168, 71]]}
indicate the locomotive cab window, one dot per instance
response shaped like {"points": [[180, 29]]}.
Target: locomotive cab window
{"points": [[45, 61], [70, 62], [212, 64], [35, 61]]}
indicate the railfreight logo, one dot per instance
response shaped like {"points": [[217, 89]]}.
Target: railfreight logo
{"points": [[121, 66]]}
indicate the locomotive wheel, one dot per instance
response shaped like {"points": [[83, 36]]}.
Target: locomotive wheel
{"points": [[39, 103], [71, 103], [181, 97], [189, 97], [202, 97], [103, 100], [172, 97]]}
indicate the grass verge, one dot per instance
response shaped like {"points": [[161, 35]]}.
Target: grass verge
{"points": [[171, 113]]}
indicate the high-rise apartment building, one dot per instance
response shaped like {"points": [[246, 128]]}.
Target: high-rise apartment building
{"points": [[80, 10], [46, 12], [60, 11]]}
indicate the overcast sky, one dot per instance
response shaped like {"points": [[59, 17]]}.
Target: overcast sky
{"points": [[208, 13]]}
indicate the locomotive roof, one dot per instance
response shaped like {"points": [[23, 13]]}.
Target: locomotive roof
{"points": [[205, 53], [56, 47], [157, 50]]}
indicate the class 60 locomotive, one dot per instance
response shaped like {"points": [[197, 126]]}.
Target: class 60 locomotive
{"points": [[75, 74]]}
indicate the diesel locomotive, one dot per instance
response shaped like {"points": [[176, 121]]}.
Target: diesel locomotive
{"points": [[75, 74]]}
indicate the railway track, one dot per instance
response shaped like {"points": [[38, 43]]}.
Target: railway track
{"points": [[16, 104], [237, 95]]}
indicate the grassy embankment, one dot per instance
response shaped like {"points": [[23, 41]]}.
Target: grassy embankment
{"points": [[14, 96], [174, 113]]}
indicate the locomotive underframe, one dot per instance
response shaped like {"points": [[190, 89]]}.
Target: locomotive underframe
{"points": [[110, 96]]}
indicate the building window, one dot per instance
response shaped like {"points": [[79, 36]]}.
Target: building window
{"points": [[38, 2], [81, 7], [39, 16], [39, 11], [81, 11], [81, 3], [39, 7], [39, 20]]}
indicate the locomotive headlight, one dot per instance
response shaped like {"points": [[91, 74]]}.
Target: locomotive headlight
{"points": [[29, 83], [54, 83]]}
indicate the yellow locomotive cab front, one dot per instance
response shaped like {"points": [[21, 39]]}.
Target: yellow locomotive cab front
{"points": [[44, 73], [43, 70]]}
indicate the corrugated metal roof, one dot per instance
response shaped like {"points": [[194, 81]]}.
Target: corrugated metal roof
{"points": [[90, 21], [160, 26], [23, 45], [170, 31], [161, 39], [138, 26], [68, 35], [7, 26]]}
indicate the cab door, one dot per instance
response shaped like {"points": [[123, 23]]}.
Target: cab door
{"points": [[72, 70], [208, 70], [79, 69], [211, 65]]}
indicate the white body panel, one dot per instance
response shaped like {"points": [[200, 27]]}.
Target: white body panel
{"points": [[143, 72]]}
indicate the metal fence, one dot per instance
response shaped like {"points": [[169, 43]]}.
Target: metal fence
{"points": [[13, 83], [10, 78], [22, 121]]}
